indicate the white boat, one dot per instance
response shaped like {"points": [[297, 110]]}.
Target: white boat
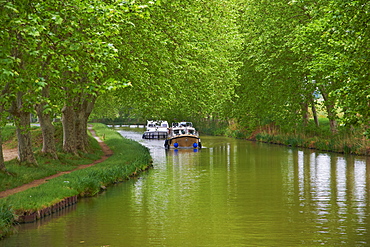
{"points": [[156, 129], [183, 135]]}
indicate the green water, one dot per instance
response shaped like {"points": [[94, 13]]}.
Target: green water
{"points": [[231, 193]]}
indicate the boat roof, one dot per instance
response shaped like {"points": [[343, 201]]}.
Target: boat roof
{"points": [[182, 124], [157, 122]]}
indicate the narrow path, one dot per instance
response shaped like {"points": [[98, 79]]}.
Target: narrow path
{"points": [[107, 153]]}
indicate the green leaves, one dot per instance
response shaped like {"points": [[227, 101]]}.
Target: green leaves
{"points": [[181, 59], [289, 45]]}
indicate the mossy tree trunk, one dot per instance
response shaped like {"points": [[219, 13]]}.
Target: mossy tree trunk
{"points": [[69, 129], [82, 116], [47, 127], [23, 122]]}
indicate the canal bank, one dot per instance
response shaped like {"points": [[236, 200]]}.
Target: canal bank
{"points": [[344, 141], [127, 159]]}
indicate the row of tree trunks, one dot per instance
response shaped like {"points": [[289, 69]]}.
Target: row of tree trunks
{"points": [[306, 115], [74, 120]]}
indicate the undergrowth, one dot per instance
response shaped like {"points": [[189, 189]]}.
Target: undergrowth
{"points": [[348, 141]]}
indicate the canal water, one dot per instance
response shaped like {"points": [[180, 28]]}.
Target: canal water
{"points": [[230, 193]]}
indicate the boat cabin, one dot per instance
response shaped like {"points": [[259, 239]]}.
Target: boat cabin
{"points": [[182, 124]]}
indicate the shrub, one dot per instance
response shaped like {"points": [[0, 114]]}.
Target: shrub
{"points": [[6, 218]]}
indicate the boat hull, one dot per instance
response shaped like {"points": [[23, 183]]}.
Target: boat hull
{"points": [[183, 141]]}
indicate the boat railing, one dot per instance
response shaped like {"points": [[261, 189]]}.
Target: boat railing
{"points": [[155, 135]]}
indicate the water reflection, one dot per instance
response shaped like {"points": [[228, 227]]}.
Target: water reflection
{"points": [[334, 190]]}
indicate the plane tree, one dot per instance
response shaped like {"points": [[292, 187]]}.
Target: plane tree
{"points": [[336, 42], [86, 44], [273, 83], [184, 59], [350, 31], [59, 57], [294, 51], [19, 78]]}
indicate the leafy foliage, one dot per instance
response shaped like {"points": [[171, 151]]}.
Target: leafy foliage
{"points": [[181, 61], [296, 50]]}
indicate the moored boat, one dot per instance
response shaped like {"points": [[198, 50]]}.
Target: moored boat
{"points": [[182, 135], [156, 129]]}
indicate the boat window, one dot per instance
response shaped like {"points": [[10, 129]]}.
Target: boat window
{"points": [[177, 132], [191, 132]]}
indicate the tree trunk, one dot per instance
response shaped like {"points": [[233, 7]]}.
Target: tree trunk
{"points": [[314, 113], [47, 128], [305, 116], [81, 130], [2, 162], [83, 114], [22, 121], [69, 129], [333, 123], [331, 113], [25, 152]]}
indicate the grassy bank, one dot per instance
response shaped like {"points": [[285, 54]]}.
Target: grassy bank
{"points": [[129, 158], [47, 166], [348, 141]]}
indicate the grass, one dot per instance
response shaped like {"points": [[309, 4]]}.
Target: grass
{"points": [[8, 136], [47, 166], [348, 141], [6, 219], [215, 128], [129, 159]]}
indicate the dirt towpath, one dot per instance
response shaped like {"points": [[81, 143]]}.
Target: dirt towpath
{"points": [[12, 154]]}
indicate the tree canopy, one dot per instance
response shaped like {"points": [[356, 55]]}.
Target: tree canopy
{"points": [[255, 62], [182, 60], [297, 50]]}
